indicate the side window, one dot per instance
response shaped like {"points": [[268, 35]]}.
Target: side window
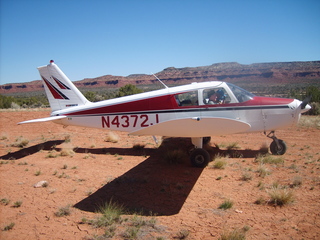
{"points": [[215, 96], [187, 99]]}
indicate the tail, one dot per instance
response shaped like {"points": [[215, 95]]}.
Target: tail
{"points": [[61, 92]]}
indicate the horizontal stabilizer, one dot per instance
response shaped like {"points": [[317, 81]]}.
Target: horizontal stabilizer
{"points": [[195, 127], [47, 119]]}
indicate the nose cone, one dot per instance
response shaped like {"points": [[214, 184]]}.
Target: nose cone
{"points": [[306, 108]]}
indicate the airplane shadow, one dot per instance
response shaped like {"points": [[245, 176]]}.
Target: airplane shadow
{"points": [[154, 186], [49, 145]]}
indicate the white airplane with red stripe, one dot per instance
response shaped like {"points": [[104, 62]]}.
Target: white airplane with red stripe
{"points": [[196, 110]]}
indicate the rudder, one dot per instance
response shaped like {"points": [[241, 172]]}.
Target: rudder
{"points": [[61, 92]]}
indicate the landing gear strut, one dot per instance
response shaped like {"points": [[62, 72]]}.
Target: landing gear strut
{"points": [[278, 146]]}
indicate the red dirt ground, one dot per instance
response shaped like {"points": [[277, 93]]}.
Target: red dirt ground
{"points": [[180, 197]]}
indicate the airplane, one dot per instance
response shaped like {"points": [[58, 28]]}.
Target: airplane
{"points": [[181, 111]]}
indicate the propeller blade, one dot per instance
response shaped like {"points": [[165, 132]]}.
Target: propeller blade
{"points": [[305, 102]]}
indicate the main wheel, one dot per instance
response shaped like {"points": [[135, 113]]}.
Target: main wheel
{"points": [[278, 150], [199, 158]]}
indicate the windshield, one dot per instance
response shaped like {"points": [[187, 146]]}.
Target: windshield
{"points": [[241, 94]]}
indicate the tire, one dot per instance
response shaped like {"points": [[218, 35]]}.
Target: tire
{"points": [[275, 150], [199, 158]]}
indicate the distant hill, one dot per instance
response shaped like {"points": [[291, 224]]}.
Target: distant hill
{"points": [[243, 75]]}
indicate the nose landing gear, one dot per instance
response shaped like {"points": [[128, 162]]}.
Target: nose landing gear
{"points": [[277, 146]]}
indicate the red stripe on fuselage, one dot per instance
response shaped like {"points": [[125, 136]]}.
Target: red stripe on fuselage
{"points": [[168, 102], [154, 103]]}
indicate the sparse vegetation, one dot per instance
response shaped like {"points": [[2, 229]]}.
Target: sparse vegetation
{"points": [[63, 211], [236, 234], [9, 226], [219, 162], [269, 159], [226, 204], [175, 156], [233, 146], [112, 137], [21, 142], [5, 201], [17, 204], [52, 154], [280, 196], [182, 234], [263, 171]]}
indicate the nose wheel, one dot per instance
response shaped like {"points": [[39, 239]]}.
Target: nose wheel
{"points": [[277, 146]]}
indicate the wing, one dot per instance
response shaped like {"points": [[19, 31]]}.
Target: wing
{"points": [[43, 119], [195, 127]]}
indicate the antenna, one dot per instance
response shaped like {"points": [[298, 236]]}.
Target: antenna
{"points": [[160, 81]]}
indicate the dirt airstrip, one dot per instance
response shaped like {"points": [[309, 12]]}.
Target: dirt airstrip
{"points": [[181, 201]]}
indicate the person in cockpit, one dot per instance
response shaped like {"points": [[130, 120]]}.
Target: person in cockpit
{"points": [[216, 97]]}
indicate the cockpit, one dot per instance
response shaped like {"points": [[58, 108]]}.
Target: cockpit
{"points": [[224, 93]]}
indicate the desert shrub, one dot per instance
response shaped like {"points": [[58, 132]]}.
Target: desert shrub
{"points": [[20, 142], [111, 212], [9, 226], [128, 89], [309, 122], [236, 234], [263, 171], [280, 196], [63, 211], [270, 159], [182, 234], [226, 204], [175, 156], [112, 137], [17, 204], [233, 146], [219, 162]]}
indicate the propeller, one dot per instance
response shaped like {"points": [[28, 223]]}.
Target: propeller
{"points": [[305, 102]]}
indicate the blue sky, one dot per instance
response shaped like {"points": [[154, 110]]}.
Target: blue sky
{"points": [[91, 38]]}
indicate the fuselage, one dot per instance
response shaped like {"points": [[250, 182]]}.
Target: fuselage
{"points": [[187, 104]]}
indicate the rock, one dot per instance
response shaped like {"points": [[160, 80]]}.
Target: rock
{"points": [[41, 184]]}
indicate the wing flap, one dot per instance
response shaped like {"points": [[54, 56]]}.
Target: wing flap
{"points": [[47, 119], [195, 127]]}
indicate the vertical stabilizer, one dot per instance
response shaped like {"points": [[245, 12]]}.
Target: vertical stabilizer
{"points": [[61, 92]]}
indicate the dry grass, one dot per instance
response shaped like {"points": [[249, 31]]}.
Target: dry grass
{"points": [[219, 162], [67, 149], [269, 159], [21, 142], [112, 137], [309, 122], [280, 196]]}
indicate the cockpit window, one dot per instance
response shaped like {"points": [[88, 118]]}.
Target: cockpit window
{"points": [[187, 99], [215, 96], [241, 94]]}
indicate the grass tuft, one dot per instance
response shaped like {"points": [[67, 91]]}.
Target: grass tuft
{"points": [[63, 211], [112, 137], [269, 159], [236, 234], [226, 204], [21, 142], [280, 196], [175, 156], [9, 226]]}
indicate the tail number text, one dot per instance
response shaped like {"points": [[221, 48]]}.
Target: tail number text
{"points": [[125, 121]]}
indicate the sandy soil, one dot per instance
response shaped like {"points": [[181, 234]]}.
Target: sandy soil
{"points": [[182, 200]]}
